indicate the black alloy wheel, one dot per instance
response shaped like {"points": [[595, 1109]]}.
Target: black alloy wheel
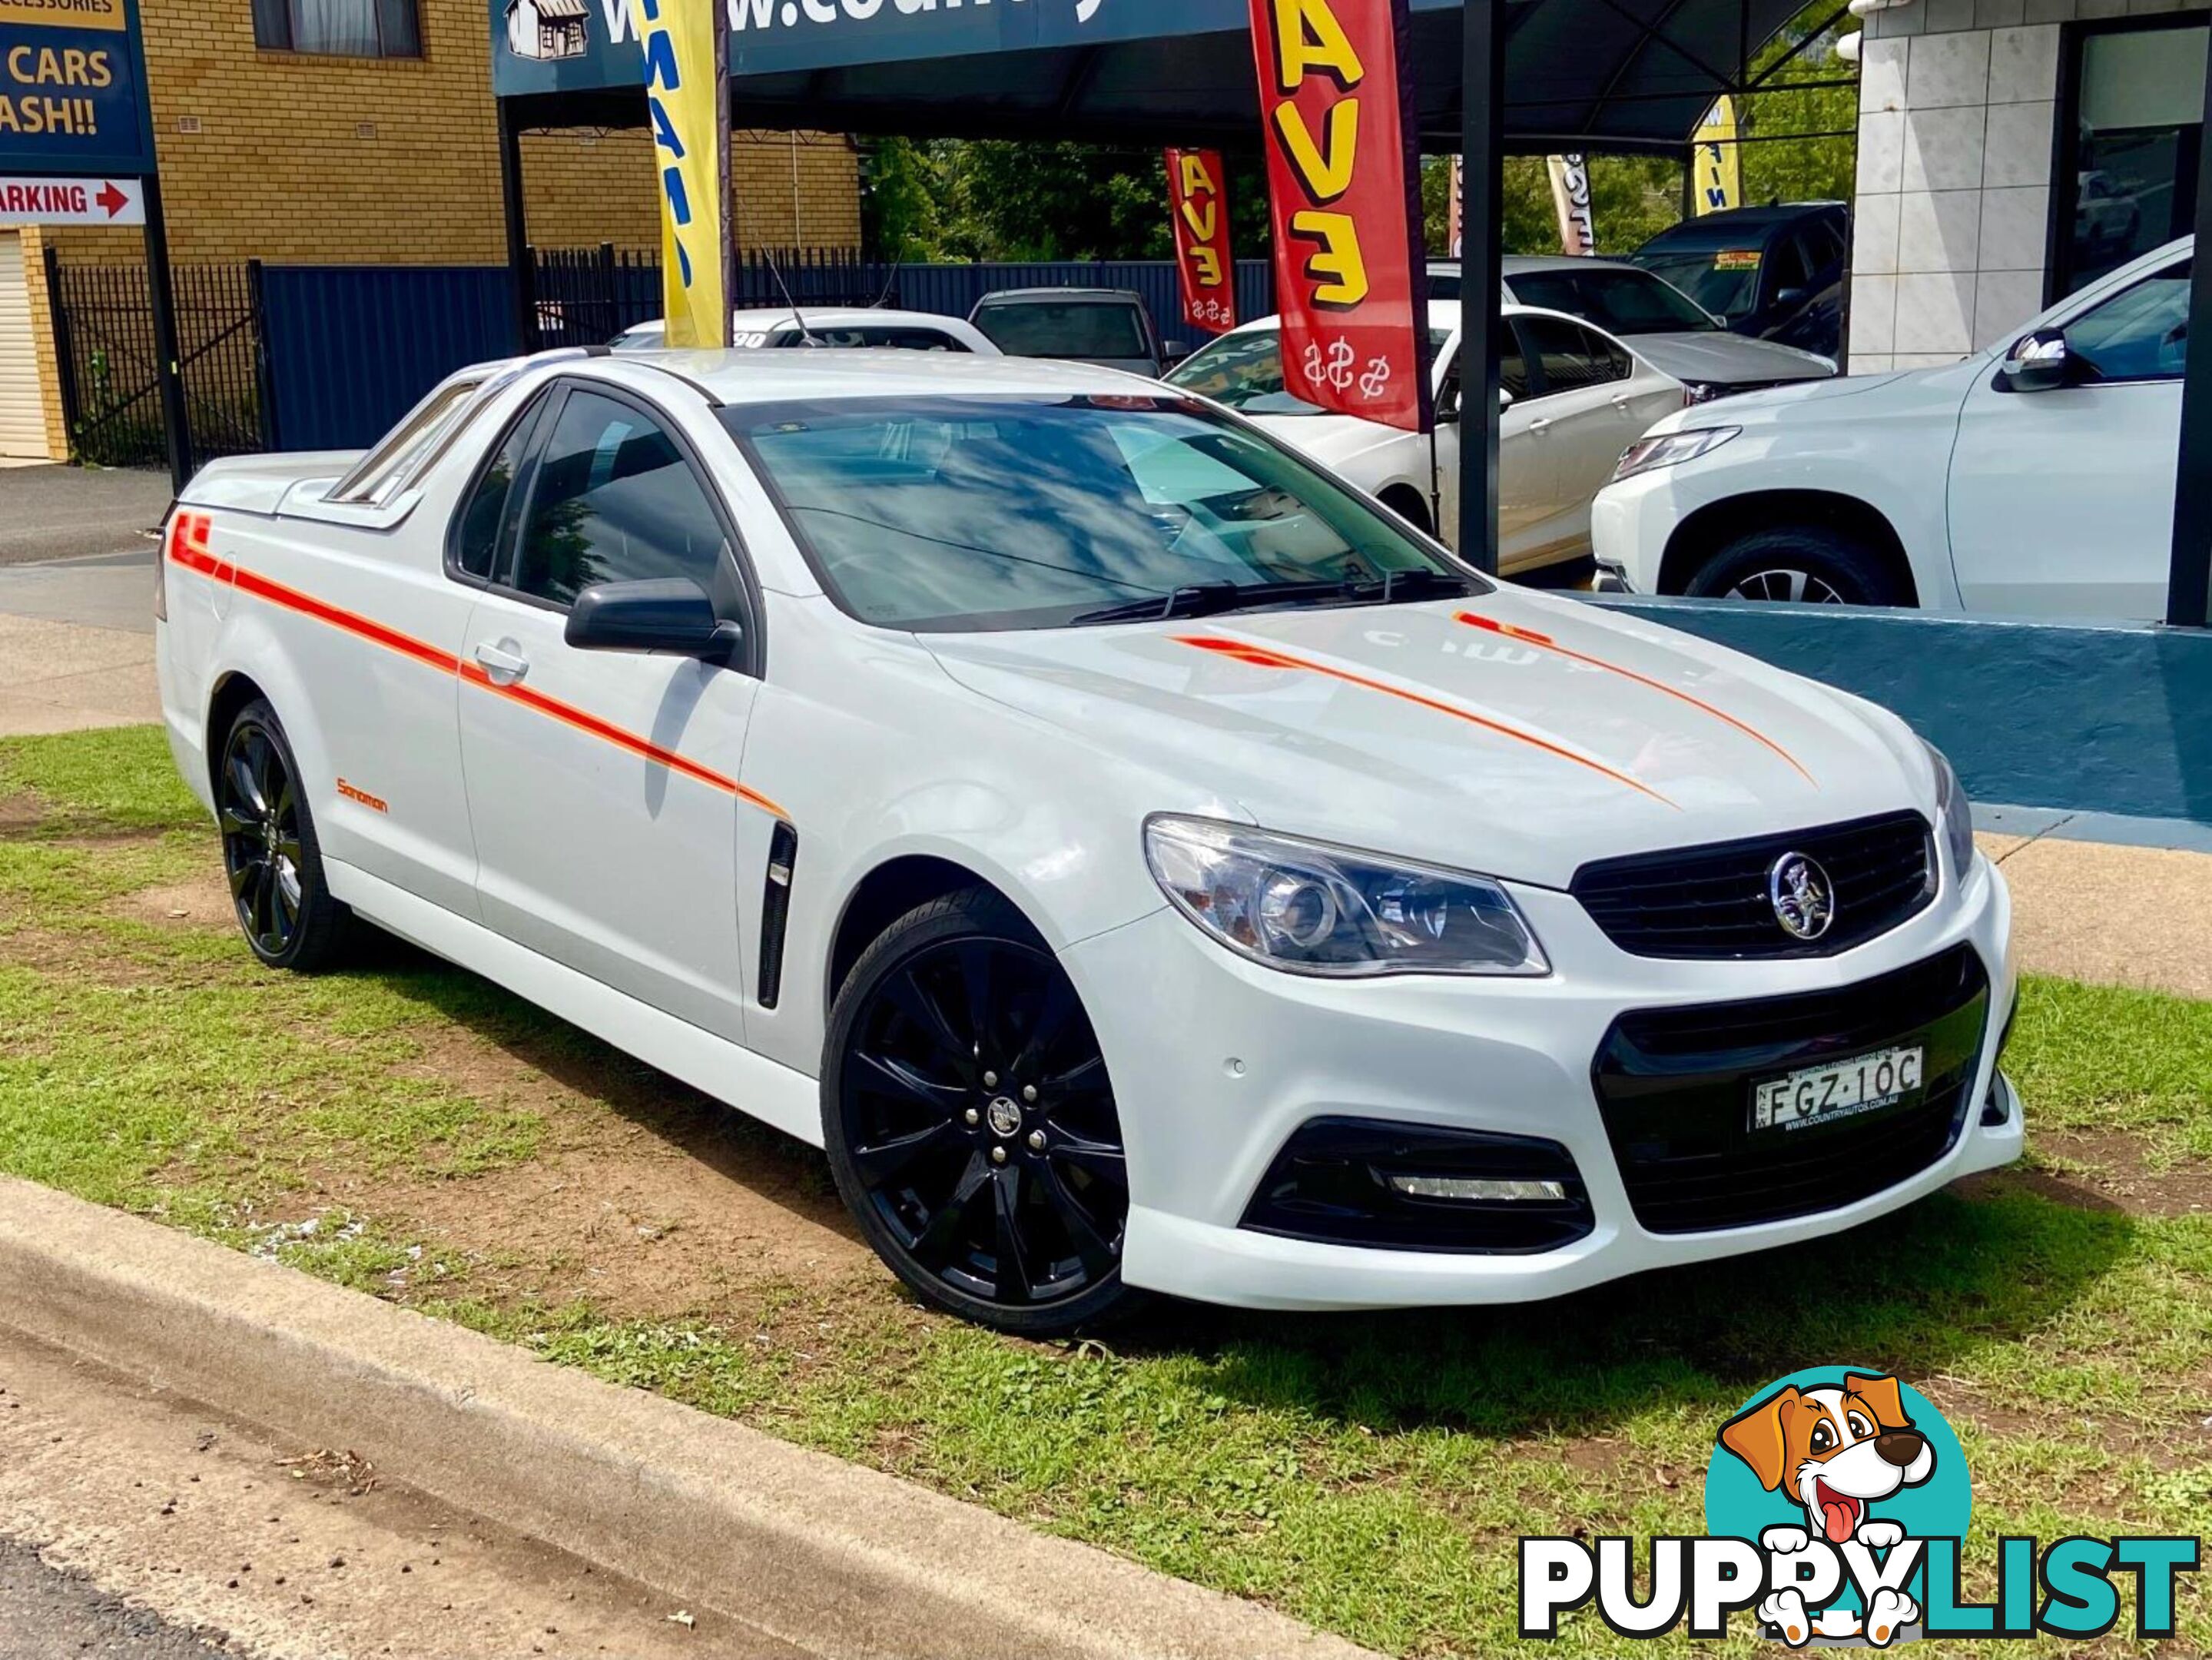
{"points": [[268, 846], [971, 1123]]}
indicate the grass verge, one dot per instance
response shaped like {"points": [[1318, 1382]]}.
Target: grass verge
{"points": [[409, 1130]]}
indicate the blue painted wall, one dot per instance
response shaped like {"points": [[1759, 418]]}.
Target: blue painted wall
{"points": [[2088, 718]]}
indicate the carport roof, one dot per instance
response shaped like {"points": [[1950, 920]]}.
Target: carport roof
{"points": [[1579, 74]]}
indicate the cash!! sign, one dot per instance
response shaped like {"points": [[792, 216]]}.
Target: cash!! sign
{"points": [[72, 90], [1200, 207], [1344, 181]]}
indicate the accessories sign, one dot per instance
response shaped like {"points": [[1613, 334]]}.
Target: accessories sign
{"points": [[72, 93], [1343, 193]]}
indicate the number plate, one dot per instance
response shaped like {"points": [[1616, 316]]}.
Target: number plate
{"points": [[1861, 1084]]}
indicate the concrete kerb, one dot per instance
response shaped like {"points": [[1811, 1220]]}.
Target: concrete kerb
{"points": [[829, 1556]]}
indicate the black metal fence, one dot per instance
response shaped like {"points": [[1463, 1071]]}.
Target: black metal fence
{"points": [[103, 321]]}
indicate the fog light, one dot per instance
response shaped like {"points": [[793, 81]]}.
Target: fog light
{"points": [[1481, 1189]]}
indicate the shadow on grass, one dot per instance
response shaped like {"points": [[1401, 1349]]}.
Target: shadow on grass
{"points": [[1912, 1293]]}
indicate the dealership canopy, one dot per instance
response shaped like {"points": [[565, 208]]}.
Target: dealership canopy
{"points": [[1579, 74]]}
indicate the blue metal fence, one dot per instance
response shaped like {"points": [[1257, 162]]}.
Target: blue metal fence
{"points": [[351, 347]]}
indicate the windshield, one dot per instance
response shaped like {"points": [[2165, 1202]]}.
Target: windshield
{"points": [[1063, 328], [1722, 278], [1244, 370], [960, 513], [1618, 299]]}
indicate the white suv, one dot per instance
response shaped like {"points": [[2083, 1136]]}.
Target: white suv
{"points": [[2036, 478]]}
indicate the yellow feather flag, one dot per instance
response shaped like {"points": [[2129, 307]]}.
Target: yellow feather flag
{"points": [[1716, 182], [687, 106]]}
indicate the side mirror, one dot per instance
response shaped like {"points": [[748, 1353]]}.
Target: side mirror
{"points": [[669, 615], [1793, 296], [1448, 400], [2039, 361], [1505, 398], [1174, 351]]}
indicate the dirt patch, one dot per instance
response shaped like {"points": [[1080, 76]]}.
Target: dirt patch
{"points": [[650, 1200], [20, 810], [2108, 1169], [201, 902]]}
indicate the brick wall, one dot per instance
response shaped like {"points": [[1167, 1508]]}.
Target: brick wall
{"points": [[291, 157]]}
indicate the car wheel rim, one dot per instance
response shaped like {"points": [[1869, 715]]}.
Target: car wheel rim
{"points": [[981, 1127], [1802, 585], [259, 809]]}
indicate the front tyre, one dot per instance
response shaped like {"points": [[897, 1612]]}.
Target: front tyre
{"points": [[270, 851], [1811, 564], [970, 1124]]}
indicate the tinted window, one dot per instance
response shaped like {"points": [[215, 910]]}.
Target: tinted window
{"points": [[613, 501], [975, 513], [1063, 328], [1618, 299], [1573, 359], [2140, 333], [476, 538], [1791, 267]]}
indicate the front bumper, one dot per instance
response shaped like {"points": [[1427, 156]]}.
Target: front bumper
{"points": [[1217, 1062], [1632, 518]]}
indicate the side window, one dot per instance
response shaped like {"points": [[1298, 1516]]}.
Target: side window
{"points": [[2140, 333], [910, 339], [476, 531], [614, 500], [1787, 268], [1571, 357], [1512, 363]]}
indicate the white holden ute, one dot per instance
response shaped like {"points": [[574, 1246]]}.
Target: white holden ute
{"points": [[1139, 860]]}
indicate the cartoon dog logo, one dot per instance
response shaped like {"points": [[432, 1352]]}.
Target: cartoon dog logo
{"points": [[1837, 1452]]}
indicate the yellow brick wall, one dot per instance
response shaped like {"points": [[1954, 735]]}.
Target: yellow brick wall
{"points": [[306, 158]]}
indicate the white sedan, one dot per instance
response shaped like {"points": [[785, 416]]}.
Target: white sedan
{"points": [[2034, 478], [1138, 860], [1576, 398], [830, 326]]}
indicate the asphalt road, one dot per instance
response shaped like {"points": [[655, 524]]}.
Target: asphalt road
{"points": [[46, 1614], [60, 512]]}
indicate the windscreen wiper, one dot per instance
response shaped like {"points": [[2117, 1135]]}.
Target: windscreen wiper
{"points": [[1208, 600], [1402, 586]]}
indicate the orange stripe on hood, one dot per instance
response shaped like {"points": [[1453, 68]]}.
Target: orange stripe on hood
{"points": [[1529, 637], [1267, 657]]}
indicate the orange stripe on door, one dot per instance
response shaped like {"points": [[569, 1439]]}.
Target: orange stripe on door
{"points": [[188, 546], [1544, 642], [1266, 657]]}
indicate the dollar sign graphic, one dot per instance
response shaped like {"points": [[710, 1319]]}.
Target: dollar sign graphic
{"points": [[1313, 361], [1376, 378], [1340, 364]]}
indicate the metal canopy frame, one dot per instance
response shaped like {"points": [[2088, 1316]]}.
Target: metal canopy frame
{"points": [[1596, 75]]}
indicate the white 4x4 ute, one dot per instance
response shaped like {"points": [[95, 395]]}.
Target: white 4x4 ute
{"points": [[2035, 478]]}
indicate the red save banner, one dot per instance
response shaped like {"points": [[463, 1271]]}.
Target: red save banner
{"points": [[1344, 178], [1198, 197]]}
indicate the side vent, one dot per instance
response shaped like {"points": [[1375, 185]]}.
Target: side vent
{"points": [[775, 910]]}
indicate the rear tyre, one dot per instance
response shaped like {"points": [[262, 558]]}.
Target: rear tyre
{"points": [[970, 1124], [1815, 564], [269, 850]]}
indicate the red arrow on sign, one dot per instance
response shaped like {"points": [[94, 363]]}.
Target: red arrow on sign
{"points": [[112, 198]]}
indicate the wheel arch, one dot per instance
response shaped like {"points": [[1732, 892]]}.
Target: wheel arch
{"points": [[889, 891], [1405, 499], [1711, 527], [234, 689]]}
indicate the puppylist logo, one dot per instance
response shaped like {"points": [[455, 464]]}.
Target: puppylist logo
{"points": [[1837, 1502]]}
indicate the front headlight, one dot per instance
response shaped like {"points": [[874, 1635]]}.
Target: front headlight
{"points": [[1954, 814], [1668, 449], [1314, 909]]}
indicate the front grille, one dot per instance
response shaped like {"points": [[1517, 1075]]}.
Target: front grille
{"points": [[1712, 901], [1674, 1087]]}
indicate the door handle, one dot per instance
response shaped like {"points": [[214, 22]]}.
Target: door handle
{"points": [[1621, 400], [1538, 424], [503, 664]]}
